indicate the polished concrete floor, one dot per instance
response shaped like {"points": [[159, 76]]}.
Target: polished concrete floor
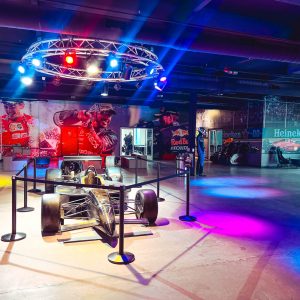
{"points": [[245, 244]]}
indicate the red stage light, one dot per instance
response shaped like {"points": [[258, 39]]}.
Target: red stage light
{"points": [[70, 58]]}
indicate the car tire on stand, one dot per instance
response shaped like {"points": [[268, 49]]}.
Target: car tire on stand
{"points": [[146, 205], [51, 214]]}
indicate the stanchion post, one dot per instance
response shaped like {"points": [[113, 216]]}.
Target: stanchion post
{"points": [[187, 217], [14, 235], [159, 199], [34, 189], [121, 257], [136, 167], [25, 208]]}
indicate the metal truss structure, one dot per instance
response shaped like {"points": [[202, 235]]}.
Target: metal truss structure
{"points": [[51, 51]]}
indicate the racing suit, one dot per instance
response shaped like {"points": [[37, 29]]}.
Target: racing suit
{"points": [[90, 142], [21, 131], [201, 154]]}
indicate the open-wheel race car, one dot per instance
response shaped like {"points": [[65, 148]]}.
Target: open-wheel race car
{"points": [[101, 205]]}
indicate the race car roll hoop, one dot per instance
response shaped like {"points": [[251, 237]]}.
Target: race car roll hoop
{"points": [[99, 202]]}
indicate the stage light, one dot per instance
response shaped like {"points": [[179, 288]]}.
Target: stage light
{"points": [[150, 69], [92, 69], [113, 63], [117, 86], [21, 69], [104, 92], [36, 62], [70, 57], [163, 79], [160, 85], [26, 80]]}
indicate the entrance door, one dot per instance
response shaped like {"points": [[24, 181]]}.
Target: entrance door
{"points": [[69, 140]]}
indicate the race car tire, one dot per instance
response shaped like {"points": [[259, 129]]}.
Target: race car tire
{"points": [[51, 174], [146, 205], [51, 214]]}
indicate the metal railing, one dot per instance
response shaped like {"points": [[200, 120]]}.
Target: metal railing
{"points": [[119, 257]]}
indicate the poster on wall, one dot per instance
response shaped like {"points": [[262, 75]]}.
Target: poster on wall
{"points": [[66, 128], [287, 139], [19, 128]]}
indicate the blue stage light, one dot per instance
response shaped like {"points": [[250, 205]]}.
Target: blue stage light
{"points": [[26, 80], [113, 63], [36, 62], [21, 69]]}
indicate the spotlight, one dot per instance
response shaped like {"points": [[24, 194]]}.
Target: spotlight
{"points": [[160, 85], [104, 92], [26, 80], [36, 62], [117, 86], [151, 69], [70, 57], [21, 69], [113, 63], [92, 69], [163, 79]]}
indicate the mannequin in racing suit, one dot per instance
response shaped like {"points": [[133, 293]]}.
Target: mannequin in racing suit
{"points": [[200, 151], [93, 137], [18, 129]]}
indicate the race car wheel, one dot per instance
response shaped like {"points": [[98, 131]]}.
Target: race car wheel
{"points": [[51, 174], [146, 205], [51, 213]]}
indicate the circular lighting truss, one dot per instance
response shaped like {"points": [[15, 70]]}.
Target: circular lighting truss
{"points": [[142, 63]]}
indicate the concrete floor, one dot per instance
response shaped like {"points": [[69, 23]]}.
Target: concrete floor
{"points": [[245, 244]]}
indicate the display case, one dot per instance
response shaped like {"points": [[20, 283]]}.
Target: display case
{"points": [[137, 141]]}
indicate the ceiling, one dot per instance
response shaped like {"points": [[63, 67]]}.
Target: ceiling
{"points": [[221, 53]]}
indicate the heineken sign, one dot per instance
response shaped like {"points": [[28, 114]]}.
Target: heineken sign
{"points": [[281, 133]]}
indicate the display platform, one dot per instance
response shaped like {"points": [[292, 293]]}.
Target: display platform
{"points": [[128, 162]]}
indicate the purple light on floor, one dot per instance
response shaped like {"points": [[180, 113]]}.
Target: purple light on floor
{"points": [[229, 181], [237, 225], [243, 192]]}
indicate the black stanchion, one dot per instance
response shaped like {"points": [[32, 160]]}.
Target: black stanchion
{"points": [[25, 208], [136, 167], [121, 257], [14, 235], [159, 199], [34, 189], [187, 217], [136, 171]]}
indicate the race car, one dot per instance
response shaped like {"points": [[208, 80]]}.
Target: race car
{"points": [[97, 204]]}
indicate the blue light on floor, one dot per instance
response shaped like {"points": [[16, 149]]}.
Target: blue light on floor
{"points": [[293, 260], [228, 181], [243, 192]]}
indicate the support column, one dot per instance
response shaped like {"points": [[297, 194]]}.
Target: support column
{"points": [[192, 129]]}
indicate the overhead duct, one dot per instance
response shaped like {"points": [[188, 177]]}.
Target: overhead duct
{"points": [[192, 38]]}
